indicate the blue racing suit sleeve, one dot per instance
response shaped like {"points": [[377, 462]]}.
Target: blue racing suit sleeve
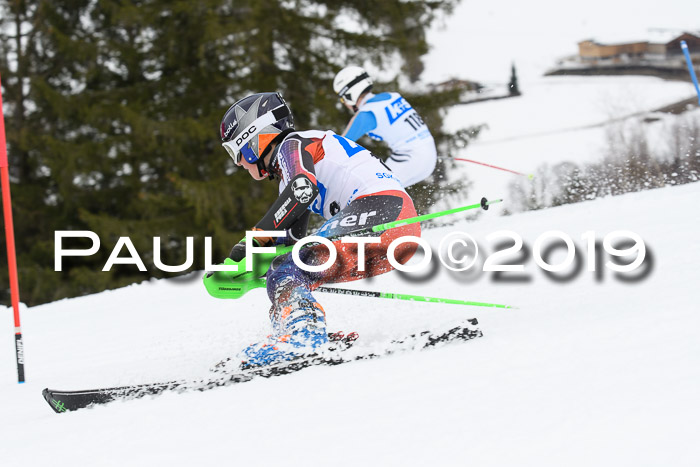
{"points": [[364, 122]]}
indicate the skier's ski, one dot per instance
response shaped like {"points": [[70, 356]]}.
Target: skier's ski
{"points": [[63, 401]]}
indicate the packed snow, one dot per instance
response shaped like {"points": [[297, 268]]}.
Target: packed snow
{"points": [[582, 373]]}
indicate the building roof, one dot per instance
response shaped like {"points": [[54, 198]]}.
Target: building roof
{"points": [[653, 36]]}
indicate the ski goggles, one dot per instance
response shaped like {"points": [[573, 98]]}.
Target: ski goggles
{"points": [[240, 145], [247, 152]]}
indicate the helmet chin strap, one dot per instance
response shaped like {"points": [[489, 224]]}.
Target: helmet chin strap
{"points": [[262, 170]]}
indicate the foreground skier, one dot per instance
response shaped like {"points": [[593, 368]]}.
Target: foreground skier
{"points": [[330, 175]]}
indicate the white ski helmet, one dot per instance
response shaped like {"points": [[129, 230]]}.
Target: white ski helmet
{"points": [[350, 83]]}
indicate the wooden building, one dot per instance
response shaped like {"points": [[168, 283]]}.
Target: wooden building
{"points": [[673, 47], [457, 84], [590, 50]]}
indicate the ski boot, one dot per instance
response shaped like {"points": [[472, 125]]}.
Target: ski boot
{"points": [[299, 329]]}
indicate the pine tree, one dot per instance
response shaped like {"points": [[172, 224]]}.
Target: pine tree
{"points": [[513, 88], [113, 108]]}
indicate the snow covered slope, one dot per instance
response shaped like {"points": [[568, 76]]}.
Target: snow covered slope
{"points": [[560, 119], [480, 40], [583, 373], [557, 119]]}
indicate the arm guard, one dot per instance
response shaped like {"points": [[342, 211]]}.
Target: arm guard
{"points": [[290, 206]]}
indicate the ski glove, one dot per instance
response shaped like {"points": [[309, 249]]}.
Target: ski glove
{"points": [[238, 251]]}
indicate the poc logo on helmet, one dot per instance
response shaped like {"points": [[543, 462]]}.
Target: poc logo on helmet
{"points": [[245, 135]]}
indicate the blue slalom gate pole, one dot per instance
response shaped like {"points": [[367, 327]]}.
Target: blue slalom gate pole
{"points": [[684, 48]]}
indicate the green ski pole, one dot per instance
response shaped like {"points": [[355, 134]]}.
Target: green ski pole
{"points": [[220, 283], [484, 204], [239, 288], [414, 298]]}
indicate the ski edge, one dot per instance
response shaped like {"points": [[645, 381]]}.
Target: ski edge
{"points": [[80, 399]]}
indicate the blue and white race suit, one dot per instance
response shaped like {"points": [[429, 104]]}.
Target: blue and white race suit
{"points": [[390, 118]]}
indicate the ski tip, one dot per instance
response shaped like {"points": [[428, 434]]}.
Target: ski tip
{"points": [[55, 404]]}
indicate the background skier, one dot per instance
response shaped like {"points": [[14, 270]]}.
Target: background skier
{"points": [[390, 118]]}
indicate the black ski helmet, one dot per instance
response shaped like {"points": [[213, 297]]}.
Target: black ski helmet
{"points": [[253, 123]]}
